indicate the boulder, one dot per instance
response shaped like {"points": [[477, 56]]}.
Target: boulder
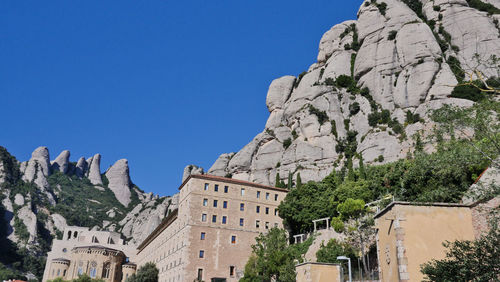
{"points": [[19, 200], [119, 181], [278, 92], [191, 169]]}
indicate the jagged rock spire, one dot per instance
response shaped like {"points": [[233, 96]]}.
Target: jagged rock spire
{"points": [[119, 181], [61, 163]]}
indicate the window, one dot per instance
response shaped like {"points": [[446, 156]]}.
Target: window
{"points": [[258, 194], [267, 210], [233, 239], [275, 197], [64, 272], [202, 254], [106, 270], [214, 218], [215, 203], [275, 211], [267, 196], [93, 272], [257, 224], [258, 209], [226, 189], [224, 204], [204, 217], [58, 272], [242, 221], [200, 274], [242, 191], [216, 188], [202, 236], [242, 207], [205, 202], [267, 225], [224, 219], [231, 271], [94, 239], [206, 187]]}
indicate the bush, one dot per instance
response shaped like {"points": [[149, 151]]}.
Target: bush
{"points": [[334, 128], [380, 158], [321, 115], [287, 143], [297, 81], [344, 81], [382, 7], [330, 81], [468, 92], [412, 118], [485, 7], [436, 8], [332, 250], [354, 108], [456, 68], [392, 35], [146, 273]]}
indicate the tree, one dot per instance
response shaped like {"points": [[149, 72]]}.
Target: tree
{"points": [[466, 260], [299, 181], [273, 259], [329, 252], [146, 273]]}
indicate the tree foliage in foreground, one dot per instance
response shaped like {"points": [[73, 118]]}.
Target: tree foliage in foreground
{"points": [[273, 259], [477, 260], [146, 273]]}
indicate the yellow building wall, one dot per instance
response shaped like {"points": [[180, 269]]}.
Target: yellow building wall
{"points": [[318, 272], [418, 232]]}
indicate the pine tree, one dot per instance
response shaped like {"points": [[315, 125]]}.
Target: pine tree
{"points": [[277, 182], [299, 181], [350, 172], [362, 172], [290, 181]]}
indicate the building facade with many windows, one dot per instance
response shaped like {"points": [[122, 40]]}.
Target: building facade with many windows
{"points": [[209, 237]]}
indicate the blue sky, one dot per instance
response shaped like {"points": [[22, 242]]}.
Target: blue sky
{"points": [[163, 84]]}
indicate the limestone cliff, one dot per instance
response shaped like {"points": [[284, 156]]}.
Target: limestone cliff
{"points": [[404, 58]]}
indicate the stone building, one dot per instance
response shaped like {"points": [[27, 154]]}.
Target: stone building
{"points": [[410, 234], [209, 237], [99, 254]]}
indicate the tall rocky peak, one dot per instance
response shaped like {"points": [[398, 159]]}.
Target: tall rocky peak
{"points": [[119, 181], [94, 172], [81, 167], [191, 169], [61, 163], [404, 59]]}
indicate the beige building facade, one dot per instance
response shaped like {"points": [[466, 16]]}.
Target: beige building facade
{"points": [[99, 254], [319, 272], [209, 237], [410, 234]]}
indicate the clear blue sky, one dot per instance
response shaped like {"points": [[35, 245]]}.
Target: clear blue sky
{"points": [[163, 84]]}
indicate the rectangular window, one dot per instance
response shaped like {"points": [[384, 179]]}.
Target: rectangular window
{"points": [[267, 225], [226, 189], [242, 191], [267, 210], [231, 271], [214, 218], [224, 204], [258, 194], [257, 224], [242, 221], [275, 211], [224, 219], [267, 196], [206, 187], [202, 236], [258, 209], [233, 239], [275, 197], [242, 207], [200, 274], [215, 203], [216, 188], [204, 217], [205, 202], [202, 254]]}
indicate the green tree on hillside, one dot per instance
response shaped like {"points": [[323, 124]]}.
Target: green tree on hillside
{"points": [[146, 273]]}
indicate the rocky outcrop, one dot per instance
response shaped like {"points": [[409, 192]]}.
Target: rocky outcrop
{"points": [[29, 220], [94, 173], [61, 163], [119, 181], [81, 167], [191, 169], [394, 53], [37, 169]]}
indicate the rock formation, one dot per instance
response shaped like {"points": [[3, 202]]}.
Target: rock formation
{"points": [[81, 167], [94, 172], [399, 61], [191, 169], [119, 181], [61, 163]]}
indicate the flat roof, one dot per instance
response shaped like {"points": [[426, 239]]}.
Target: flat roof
{"points": [[232, 181], [386, 209], [318, 263], [162, 226]]}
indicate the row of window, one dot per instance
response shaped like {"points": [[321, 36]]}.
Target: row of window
{"points": [[232, 272], [242, 206], [242, 221], [203, 236], [242, 191]]}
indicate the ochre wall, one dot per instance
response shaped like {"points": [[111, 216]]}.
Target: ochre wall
{"points": [[314, 272]]}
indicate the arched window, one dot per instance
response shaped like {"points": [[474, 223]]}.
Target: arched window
{"points": [[106, 269], [110, 240], [94, 239], [75, 234], [69, 235], [80, 267], [93, 269]]}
